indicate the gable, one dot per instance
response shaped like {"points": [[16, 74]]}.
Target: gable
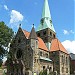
{"points": [[41, 44], [56, 46]]}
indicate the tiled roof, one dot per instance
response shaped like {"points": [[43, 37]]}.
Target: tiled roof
{"points": [[26, 33], [41, 44], [56, 46], [33, 34]]}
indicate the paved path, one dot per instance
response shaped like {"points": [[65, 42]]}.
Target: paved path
{"points": [[1, 71]]}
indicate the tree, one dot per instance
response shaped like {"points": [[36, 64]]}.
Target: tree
{"points": [[6, 34]]}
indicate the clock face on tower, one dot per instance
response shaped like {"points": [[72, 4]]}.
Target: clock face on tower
{"points": [[19, 54]]}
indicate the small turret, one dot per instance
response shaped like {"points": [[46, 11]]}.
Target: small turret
{"points": [[33, 34]]}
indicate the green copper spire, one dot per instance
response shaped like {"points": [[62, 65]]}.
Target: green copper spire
{"points": [[46, 21], [46, 11]]}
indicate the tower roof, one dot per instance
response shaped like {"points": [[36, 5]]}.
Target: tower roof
{"points": [[46, 11], [57, 46], [41, 44], [46, 21], [33, 34]]}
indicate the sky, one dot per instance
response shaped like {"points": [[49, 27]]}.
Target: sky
{"points": [[29, 12]]}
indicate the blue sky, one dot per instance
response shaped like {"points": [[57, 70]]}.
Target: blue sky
{"points": [[62, 13], [29, 12]]}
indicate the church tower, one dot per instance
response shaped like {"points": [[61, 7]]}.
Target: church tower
{"points": [[46, 30]]}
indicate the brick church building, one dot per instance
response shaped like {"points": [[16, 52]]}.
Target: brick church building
{"points": [[38, 50]]}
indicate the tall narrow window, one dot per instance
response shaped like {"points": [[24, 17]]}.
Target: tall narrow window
{"points": [[40, 53], [43, 67], [50, 33], [44, 33], [38, 34], [66, 60], [19, 40], [53, 35], [62, 59]]}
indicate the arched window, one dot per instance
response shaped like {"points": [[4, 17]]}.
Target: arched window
{"points": [[62, 58], [50, 33], [44, 33], [66, 60], [53, 35], [43, 67]]}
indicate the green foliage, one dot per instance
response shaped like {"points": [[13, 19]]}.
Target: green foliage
{"points": [[43, 72], [6, 35], [52, 73]]}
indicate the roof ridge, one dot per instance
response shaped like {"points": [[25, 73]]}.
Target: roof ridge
{"points": [[58, 44], [26, 30]]}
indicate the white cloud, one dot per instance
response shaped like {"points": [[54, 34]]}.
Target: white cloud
{"points": [[15, 17], [69, 45], [66, 32], [5, 7], [71, 31]]}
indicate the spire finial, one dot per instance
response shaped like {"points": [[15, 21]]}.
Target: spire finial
{"points": [[33, 25], [19, 25]]}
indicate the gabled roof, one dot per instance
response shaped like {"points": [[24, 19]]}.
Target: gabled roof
{"points": [[57, 46], [41, 44], [26, 33], [33, 34]]}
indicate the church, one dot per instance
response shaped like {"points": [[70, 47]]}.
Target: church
{"points": [[33, 52]]}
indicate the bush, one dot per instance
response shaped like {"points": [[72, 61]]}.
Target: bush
{"points": [[43, 72]]}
